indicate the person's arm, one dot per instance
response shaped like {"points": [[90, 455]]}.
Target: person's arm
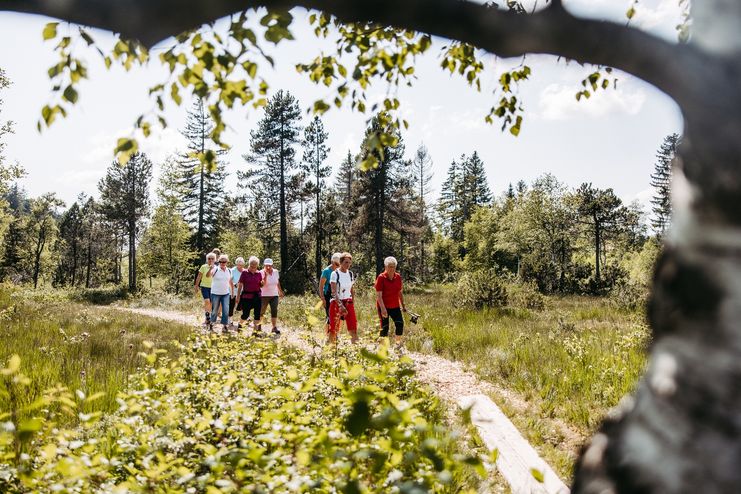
{"points": [[211, 271], [381, 307], [280, 290], [198, 281], [401, 299], [336, 293], [262, 280], [239, 289], [322, 282], [231, 284]]}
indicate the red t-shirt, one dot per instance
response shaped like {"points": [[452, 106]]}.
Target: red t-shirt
{"points": [[250, 283], [390, 290]]}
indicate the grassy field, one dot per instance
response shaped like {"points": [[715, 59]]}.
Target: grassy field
{"points": [[83, 347], [218, 414], [569, 362]]}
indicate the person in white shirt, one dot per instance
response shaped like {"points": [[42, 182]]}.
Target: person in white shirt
{"points": [[221, 287], [271, 292], [341, 307]]}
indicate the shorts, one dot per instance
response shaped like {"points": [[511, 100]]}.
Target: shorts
{"points": [[273, 303], [398, 318], [206, 292], [254, 305], [351, 321]]}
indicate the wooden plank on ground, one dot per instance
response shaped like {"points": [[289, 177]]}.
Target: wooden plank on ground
{"points": [[516, 457]]}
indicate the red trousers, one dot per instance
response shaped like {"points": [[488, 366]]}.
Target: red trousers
{"points": [[335, 316]]}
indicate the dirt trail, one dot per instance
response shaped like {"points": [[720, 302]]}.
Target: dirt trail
{"points": [[450, 381]]}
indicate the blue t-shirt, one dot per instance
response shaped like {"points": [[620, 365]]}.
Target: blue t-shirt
{"points": [[325, 275]]}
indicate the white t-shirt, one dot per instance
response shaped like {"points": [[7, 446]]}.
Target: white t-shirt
{"points": [[346, 282], [220, 281], [270, 288]]}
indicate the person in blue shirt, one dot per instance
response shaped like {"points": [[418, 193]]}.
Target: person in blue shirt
{"points": [[325, 293]]}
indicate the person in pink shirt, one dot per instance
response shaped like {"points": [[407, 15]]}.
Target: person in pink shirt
{"points": [[271, 292]]}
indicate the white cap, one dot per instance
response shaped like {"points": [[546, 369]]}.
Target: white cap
{"points": [[267, 262]]}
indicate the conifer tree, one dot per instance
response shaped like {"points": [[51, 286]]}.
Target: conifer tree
{"points": [[422, 178], [41, 228], [273, 160], [661, 181], [124, 195], [382, 191], [315, 153], [346, 176], [464, 189], [201, 186]]}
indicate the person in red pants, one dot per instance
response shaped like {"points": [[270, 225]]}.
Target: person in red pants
{"points": [[390, 300], [341, 307]]}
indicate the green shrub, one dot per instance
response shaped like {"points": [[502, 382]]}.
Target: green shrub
{"points": [[629, 295], [239, 415], [100, 296], [525, 295], [482, 289]]}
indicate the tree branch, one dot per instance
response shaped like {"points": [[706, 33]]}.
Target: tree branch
{"points": [[682, 71]]}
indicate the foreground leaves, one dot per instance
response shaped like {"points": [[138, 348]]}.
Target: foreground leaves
{"points": [[236, 415]]}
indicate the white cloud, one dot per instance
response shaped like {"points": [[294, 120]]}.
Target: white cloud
{"points": [[558, 102]]}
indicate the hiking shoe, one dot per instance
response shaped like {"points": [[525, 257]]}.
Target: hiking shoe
{"points": [[275, 331]]}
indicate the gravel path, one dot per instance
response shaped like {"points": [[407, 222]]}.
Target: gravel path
{"points": [[450, 381]]}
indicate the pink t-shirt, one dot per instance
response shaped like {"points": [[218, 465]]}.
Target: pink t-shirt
{"points": [[270, 288]]}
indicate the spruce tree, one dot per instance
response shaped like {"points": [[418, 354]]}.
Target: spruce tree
{"points": [[381, 191], [124, 195], [201, 186], [464, 189], [315, 153], [346, 176], [661, 181], [273, 160]]}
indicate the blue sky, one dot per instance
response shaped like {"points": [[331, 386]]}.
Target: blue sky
{"points": [[609, 140]]}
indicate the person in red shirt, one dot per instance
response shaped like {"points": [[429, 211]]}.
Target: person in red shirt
{"points": [[390, 299]]}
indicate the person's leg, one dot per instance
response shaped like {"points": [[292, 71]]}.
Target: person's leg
{"points": [[206, 294], [245, 312], [384, 321], [225, 310], [214, 302], [274, 312], [352, 322], [265, 301], [398, 318], [256, 309], [327, 301], [232, 305], [334, 321]]}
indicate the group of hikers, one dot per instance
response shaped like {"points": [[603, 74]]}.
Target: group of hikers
{"points": [[252, 290]]}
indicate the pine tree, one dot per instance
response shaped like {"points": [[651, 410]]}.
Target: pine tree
{"points": [[315, 153], [68, 246], [273, 158], [346, 177], [201, 186], [464, 189], [124, 195], [381, 192], [661, 181]]}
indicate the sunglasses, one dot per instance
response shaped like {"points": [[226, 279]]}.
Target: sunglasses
{"points": [[222, 262]]}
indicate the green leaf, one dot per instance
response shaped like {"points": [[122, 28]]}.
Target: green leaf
{"points": [[537, 475], [70, 94], [126, 147], [630, 13], [50, 31], [359, 419]]}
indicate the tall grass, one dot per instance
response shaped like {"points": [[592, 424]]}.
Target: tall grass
{"points": [[78, 346]]}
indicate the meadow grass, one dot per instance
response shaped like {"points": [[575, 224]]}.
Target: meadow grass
{"points": [[82, 347], [570, 362]]}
